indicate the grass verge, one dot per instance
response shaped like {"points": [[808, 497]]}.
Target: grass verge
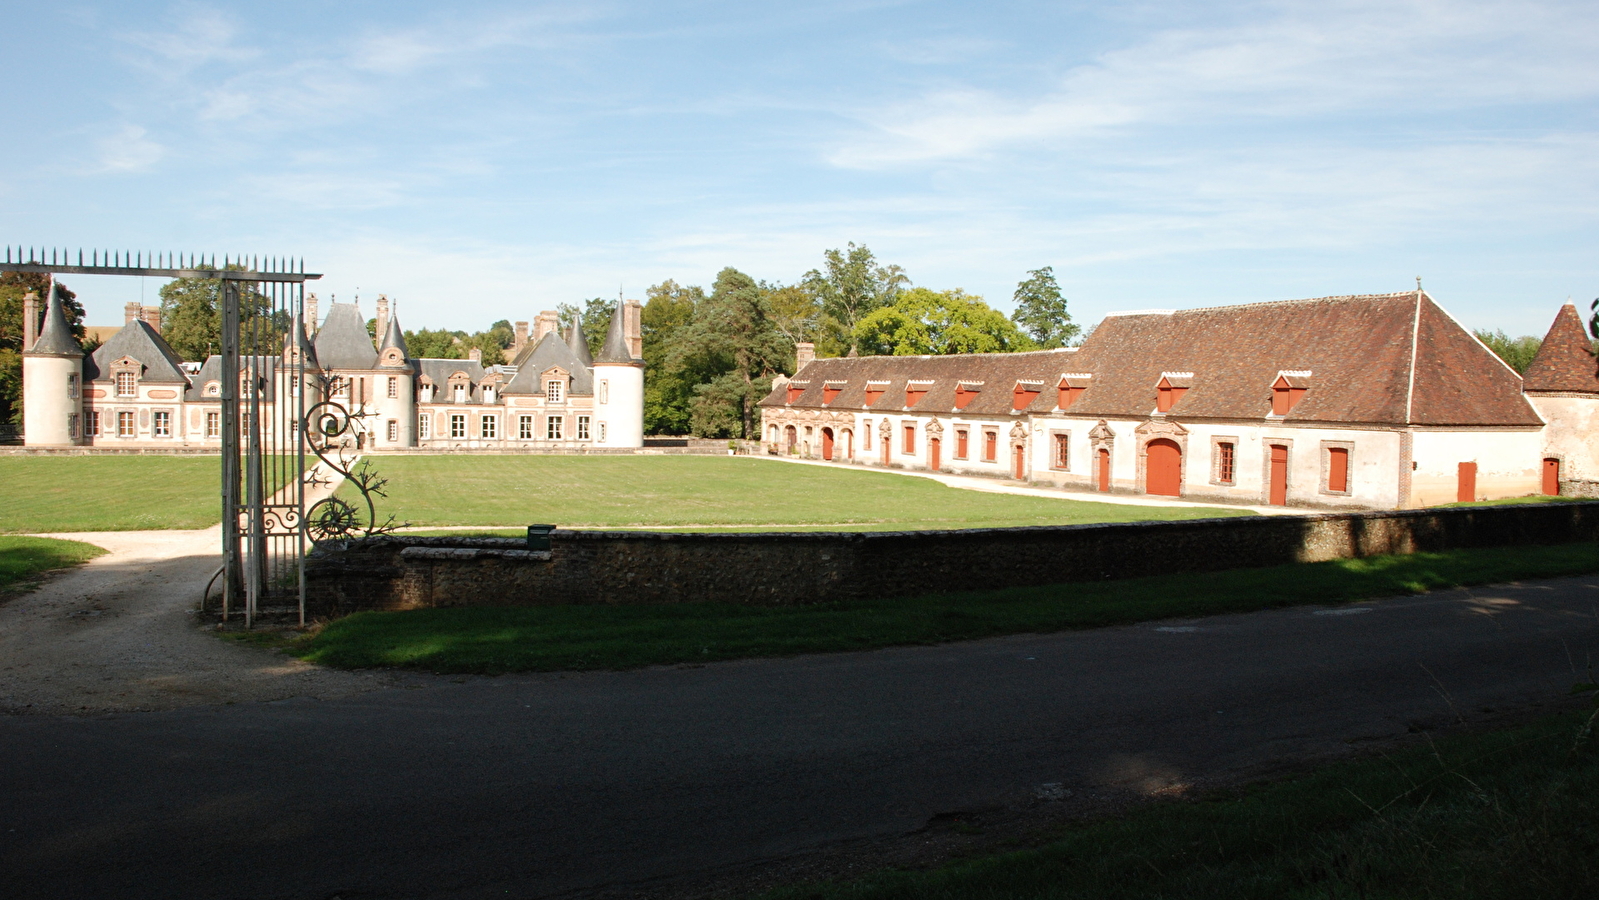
{"points": [[23, 558], [108, 493], [1505, 814], [493, 640]]}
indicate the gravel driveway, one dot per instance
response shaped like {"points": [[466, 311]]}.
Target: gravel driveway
{"points": [[120, 633]]}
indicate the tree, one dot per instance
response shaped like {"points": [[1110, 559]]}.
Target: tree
{"points": [[434, 344], [927, 322], [1516, 352], [732, 334], [595, 316], [1041, 310], [14, 286], [191, 318], [852, 286], [668, 388], [798, 315]]}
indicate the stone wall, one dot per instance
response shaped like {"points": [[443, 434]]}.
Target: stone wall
{"points": [[811, 567]]}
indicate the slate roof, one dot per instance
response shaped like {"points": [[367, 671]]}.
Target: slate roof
{"points": [[141, 342], [393, 336], [614, 350], [56, 337], [550, 352], [343, 342], [307, 351], [1360, 351], [211, 370], [579, 343], [438, 371], [1565, 361]]}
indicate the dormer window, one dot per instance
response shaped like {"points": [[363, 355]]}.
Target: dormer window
{"points": [[966, 392], [1025, 393], [554, 391], [1071, 387], [213, 389], [1171, 388], [1288, 390], [874, 390], [488, 393], [127, 384], [831, 390], [795, 389], [915, 391]]}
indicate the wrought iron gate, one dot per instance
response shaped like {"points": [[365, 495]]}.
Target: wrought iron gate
{"points": [[262, 388]]}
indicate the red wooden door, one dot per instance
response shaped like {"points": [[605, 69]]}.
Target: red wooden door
{"points": [[1021, 463], [1466, 482], [1279, 475], [1164, 472], [827, 444], [933, 447], [1551, 477], [1104, 469]]}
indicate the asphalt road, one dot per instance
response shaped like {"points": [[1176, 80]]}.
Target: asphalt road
{"points": [[538, 785]]}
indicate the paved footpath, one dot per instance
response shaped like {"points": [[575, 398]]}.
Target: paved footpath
{"points": [[535, 786]]}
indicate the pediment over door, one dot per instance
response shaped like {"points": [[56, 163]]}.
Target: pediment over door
{"points": [[1159, 428]]}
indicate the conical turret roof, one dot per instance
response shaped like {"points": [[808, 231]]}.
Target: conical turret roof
{"points": [[579, 343], [56, 338], [1565, 362], [303, 343], [394, 337], [615, 349]]}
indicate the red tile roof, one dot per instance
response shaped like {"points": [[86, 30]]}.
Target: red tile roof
{"points": [[1565, 362], [1359, 351]]}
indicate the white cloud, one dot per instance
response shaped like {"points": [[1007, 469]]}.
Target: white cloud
{"points": [[128, 150], [200, 34]]}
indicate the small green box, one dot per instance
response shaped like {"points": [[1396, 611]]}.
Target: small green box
{"points": [[538, 536]]}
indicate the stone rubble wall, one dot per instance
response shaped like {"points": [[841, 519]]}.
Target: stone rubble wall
{"points": [[775, 568]]}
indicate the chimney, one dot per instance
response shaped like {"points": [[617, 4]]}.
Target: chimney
{"points": [[633, 329], [132, 312], [521, 339], [383, 314], [476, 355], [544, 323], [30, 320], [152, 317], [804, 353], [310, 314]]}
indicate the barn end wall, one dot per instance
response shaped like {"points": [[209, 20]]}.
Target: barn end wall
{"points": [[813, 567]]}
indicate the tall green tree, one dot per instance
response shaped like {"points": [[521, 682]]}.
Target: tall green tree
{"points": [[191, 318], [14, 286], [849, 285], [1516, 352], [429, 343], [668, 385], [1041, 310], [928, 322], [732, 334], [595, 314]]}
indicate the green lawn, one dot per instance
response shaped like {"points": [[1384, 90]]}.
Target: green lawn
{"points": [[677, 491], [21, 558], [108, 493], [1506, 815], [518, 639]]}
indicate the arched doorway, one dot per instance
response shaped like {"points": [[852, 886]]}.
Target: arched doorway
{"points": [[790, 438], [827, 444], [1020, 455], [934, 454], [1103, 465], [1163, 471]]}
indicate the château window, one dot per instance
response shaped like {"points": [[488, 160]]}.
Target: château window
{"points": [[460, 393], [162, 423], [552, 428], [990, 446], [552, 392], [127, 384], [962, 442], [213, 425], [605, 397], [72, 389], [424, 426], [582, 428], [91, 424], [489, 427], [602, 432], [1063, 452], [910, 439], [1226, 462], [524, 428], [72, 424], [124, 424], [457, 425], [394, 386], [394, 429]]}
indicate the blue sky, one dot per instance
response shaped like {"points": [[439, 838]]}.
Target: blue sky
{"points": [[484, 161]]}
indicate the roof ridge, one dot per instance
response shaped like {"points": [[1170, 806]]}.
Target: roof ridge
{"points": [[1258, 303]]}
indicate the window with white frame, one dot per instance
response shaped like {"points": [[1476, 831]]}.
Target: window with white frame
{"points": [[460, 393], [582, 428], [524, 428], [161, 423], [552, 428], [394, 386], [424, 426], [72, 424], [457, 425], [127, 384], [213, 424], [553, 391], [91, 423], [72, 389], [489, 426], [394, 431], [125, 424]]}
